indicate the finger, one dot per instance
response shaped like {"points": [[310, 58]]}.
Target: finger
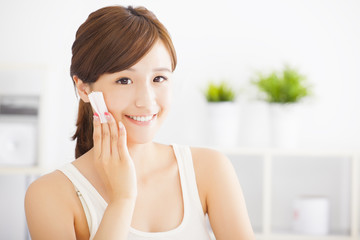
{"points": [[97, 136], [105, 137], [122, 143], [113, 134]]}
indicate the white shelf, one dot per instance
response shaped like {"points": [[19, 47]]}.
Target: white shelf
{"points": [[300, 237], [23, 170], [267, 155], [275, 152]]}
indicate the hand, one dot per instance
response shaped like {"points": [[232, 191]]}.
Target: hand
{"points": [[112, 159]]}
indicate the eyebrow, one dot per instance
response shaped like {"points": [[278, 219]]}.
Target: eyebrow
{"points": [[159, 69]]}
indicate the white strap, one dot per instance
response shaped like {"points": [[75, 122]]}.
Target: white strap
{"points": [[77, 179], [185, 157]]}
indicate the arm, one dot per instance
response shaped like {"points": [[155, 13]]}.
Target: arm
{"points": [[224, 198], [117, 170], [116, 220]]}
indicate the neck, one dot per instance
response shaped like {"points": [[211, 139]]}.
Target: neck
{"points": [[141, 153]]}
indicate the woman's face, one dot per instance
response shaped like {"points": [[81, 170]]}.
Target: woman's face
{"points": [[140, 96]]}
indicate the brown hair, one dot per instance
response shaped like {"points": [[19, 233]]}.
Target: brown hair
{"points": [[112, 39]]}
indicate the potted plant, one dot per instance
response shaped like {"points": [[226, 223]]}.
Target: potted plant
{"points": [[288, 86], [221, 92], [283, 90], [222, 118]]}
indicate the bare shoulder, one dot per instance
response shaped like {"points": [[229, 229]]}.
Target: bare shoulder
{"points": [[224, 199], [53, 189], [51, 185], [212, 169], [210, 161], [50, 198], [207, 153]]}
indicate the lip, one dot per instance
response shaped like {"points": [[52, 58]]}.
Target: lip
{"points": [[141, 123]]}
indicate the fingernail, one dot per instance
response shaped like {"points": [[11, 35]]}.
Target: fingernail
{"points": [[121, 125], [96, 117], [107, 115]]}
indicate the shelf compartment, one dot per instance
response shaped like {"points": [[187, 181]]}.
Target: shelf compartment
{"points": [[285, 236], [250, 175], [329, 177]]}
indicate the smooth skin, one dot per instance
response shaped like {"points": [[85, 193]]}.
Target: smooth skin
{"points": [[139, 179]]}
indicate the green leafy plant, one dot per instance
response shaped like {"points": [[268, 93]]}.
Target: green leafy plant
{"points": [[221, 92], [288, 86]]}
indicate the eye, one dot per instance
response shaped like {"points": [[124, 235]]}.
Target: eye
{"points": [[160, 79], [124, 81]]}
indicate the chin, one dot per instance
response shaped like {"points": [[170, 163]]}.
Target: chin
{"points": [[138, 135]]}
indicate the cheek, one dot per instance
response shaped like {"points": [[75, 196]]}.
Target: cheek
{"points": [[116, 102], [165, 97]]}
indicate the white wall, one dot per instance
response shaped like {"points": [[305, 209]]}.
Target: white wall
{"points": [[214, 39]]}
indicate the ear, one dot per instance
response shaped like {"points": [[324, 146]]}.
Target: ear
{"points": [[83, 89]]}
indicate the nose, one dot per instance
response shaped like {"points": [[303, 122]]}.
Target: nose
{"points": [[145, 97]]}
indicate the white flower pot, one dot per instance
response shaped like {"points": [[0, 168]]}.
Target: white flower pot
{"points": [[311, 215], [223, 124], [283, 126], [254, 125]]}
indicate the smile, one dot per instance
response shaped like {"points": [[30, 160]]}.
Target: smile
{"points": [[142, 118]]}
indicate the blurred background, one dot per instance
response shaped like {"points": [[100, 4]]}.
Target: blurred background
{"points": [[215, 40]]}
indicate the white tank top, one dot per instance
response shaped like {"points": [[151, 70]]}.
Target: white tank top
{"points": [[193, 225]]}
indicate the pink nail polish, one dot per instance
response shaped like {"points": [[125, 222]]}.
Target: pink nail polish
{"points": [[107, 115], [96, 117]]}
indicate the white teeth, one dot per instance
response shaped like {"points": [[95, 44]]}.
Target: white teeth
{"points": [[142, 118]]}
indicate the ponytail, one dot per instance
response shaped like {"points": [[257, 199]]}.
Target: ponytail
{"points": [[84, 129]]}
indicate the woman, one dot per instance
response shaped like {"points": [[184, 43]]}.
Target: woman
{"points": [[122, 185]]}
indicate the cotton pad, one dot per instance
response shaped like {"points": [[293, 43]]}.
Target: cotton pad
{"points": [[98, 104]]}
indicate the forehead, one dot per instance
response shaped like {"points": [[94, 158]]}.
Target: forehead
{"points": [[157, 57]]}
